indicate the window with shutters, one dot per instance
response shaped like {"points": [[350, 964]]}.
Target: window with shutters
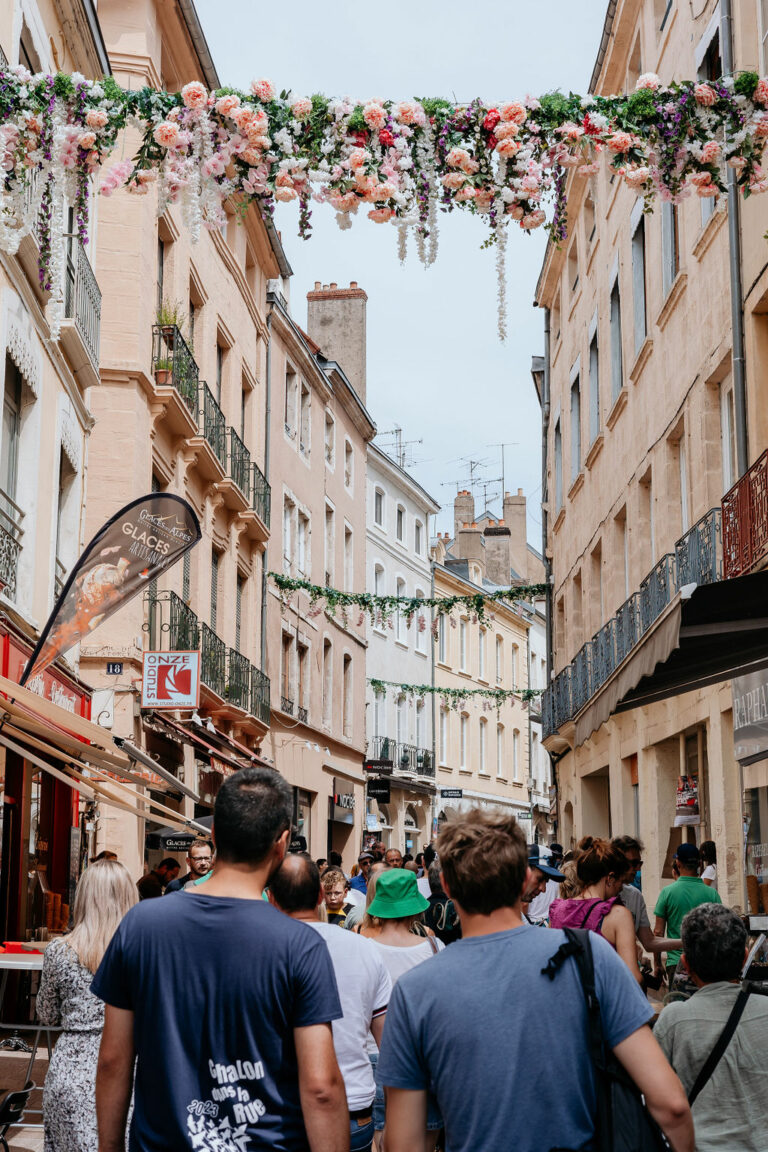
{"points": [[214, 588], [186, 577], [575, 428], [594, 390], [638, 284], [239, 609], [617, 365]]}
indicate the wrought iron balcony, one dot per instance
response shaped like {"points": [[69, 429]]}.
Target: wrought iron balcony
{"points": [[239, 680], [382, 748], [59, 579], [698, 554], [405, 757], [11, 533], [260, 690], [745, 521], [261, 495], [183, 626], [286, 705], [213, 661], [213, 424], [302, 715], [82, 299], [239, 463], [173, 364], [697, 559]]}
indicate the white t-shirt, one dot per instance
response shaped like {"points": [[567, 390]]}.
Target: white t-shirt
{"points": [[399, 960], [364, 990], [538, 909], [710, 873]]}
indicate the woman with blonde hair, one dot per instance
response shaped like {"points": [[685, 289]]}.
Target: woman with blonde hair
{"points": [[104, 894]]}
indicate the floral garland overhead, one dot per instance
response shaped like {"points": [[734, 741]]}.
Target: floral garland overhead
{"points": [[404, 161], [454, 698], [382, 610]]}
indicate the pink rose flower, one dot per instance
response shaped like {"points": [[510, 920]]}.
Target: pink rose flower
{"points": [[505, 131], [226, 105], [166, 134], [214, 166], [115, 176], [738, 163], [515, 112], [357, 158], [761, 127], [620, 142], [409, 112], [704, 94], [194, 94], [465, 193], [251, 155], [706, 190], [384, 192], [302, 108], [457, 158], [263, 90], [96, 118], [568, 160], [648, 80], [529, 184], [507, 148], [710, 153], [700, 179], [761, 92], [571, 131], [380, 215], [374, 115], [453, 180], [258, 125], [285, 194], [87, 140], [347, 202], [516, 211], [533, 219]]}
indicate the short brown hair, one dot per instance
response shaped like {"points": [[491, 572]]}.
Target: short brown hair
{"points": [[332, 876], [599, 858], [484, 859]]}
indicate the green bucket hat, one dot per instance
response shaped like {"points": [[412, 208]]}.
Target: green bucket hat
{"points": [[397, 894]]}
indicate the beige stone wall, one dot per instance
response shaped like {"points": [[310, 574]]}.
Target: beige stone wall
{"points": [[318, 447], [656, 459]]}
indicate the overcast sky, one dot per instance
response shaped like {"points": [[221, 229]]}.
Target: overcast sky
{"points": [[435, 363]]}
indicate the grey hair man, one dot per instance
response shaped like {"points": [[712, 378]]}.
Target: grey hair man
{"points": [[731, 1110]]}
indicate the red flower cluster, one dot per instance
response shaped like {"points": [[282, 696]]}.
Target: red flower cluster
{"points": [[589, 127], [491, 120], [386, 138]]}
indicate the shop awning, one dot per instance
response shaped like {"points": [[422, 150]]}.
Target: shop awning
{"points": [[720, 630], [225, 748], [79, 753]]}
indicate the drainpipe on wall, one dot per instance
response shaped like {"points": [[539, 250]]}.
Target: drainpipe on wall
{"points": [[545, 408], [267, 421], [734, 262], [530, 729]]}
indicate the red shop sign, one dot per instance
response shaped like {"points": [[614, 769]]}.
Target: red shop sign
{"points": [[50, 684]]}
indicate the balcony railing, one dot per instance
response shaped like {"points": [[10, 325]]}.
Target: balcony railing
{"points": [[59, 578], [239, 463], [302, 715], [698, 554], [184, 626], [286, 705], [213, 424], [213, 661], [260, 689], [11, 532], [745, 521], [261, 495], [405, 757], [239, 682], [696, 559], [174, 364], [82, 298]]}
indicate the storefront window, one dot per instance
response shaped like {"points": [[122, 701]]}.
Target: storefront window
{"points": [[302, 811], [756, 835]]}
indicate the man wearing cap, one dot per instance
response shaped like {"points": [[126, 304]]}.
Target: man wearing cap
{"points": [[679, 898], [359, 883], [538, 909]]}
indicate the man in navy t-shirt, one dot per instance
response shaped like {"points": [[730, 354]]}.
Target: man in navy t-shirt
{"points": [[225, 1004], [487, 994]]}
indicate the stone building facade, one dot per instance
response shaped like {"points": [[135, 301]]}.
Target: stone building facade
{"points": [[641, 449]]}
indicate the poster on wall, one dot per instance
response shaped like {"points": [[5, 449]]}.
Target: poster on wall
{"points": [[142, 540], [687, 804]]}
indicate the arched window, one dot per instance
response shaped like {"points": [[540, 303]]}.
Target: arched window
{"points": [[464, 741], [500, 750]]}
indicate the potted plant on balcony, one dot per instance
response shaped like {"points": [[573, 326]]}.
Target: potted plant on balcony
{"points": [[163, 369], [170, 318]]}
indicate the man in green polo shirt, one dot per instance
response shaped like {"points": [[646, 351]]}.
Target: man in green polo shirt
{"points": [[678, 899]]}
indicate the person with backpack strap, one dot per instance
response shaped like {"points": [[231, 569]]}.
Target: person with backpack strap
{"points": [[716, 1040]]}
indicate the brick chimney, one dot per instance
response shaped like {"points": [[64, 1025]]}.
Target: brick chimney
{"points": [[336, 322], [515, 519], [469, 545], [497, 552], [463, 510]]}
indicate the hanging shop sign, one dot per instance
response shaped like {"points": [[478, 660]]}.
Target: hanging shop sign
{"points": [[383, 767], [343, 802], [379, 790], [171, 680], [49, 685], [750, 716], [451, 793], [142, 540], [687, 803]]}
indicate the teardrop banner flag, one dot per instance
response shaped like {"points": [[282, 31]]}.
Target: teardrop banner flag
{"points": [[142, 540]]}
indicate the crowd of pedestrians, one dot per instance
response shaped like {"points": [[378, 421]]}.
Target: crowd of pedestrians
{"points": [[274, 1002]]}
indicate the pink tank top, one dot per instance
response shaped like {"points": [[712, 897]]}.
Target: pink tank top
{"points": [[576, 913]]}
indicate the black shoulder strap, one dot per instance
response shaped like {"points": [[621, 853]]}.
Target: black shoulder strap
{"points": [[590, 905], [722, 1043]]}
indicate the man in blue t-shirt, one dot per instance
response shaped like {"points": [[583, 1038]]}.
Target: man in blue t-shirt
{"points": [[487, 994], [224, 1003]]}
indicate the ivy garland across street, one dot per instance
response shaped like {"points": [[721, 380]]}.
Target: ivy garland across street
{"points": [[454, 698], [382, 609], [404, 161]]}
